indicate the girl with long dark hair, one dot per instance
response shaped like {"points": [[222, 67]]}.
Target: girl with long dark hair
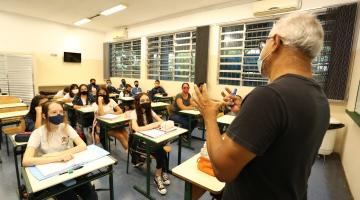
{"points": [[143, 118]]}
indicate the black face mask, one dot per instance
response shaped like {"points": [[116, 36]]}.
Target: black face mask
{"points": [[146, 106], [104, 97], [84, 92], [137, 85], [93, 84]]}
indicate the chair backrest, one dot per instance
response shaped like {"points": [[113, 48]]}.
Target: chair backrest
{"points": [[9, 99]]}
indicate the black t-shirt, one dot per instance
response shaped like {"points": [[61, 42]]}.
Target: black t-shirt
{"points": [[283, 123]]}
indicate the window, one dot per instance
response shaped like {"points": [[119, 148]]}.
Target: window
{"points": [[239, 53], [125, 59], [172, 57]]}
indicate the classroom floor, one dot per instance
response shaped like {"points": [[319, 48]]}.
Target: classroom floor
{"points": [[327, 180]]}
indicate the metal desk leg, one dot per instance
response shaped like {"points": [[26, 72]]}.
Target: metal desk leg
{"points": [[188, 191], [188, 145], [179, 149], [147, 193], [111, 183], [7, 145], [17, 171]]}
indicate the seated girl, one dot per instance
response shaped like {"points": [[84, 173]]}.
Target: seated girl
{"points": [[143, 118], [105, 105], [33, 118], [54, 142]]}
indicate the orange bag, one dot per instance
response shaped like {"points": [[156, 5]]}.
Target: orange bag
{"points": [[205, 166]]}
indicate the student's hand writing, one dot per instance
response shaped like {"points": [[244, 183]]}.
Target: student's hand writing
{"points": [[156, 125]]}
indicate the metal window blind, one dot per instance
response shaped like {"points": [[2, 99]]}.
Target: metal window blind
{"points": [[125, 59], [172, 57]]}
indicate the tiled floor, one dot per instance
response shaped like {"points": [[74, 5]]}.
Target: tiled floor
{"points": [[327, 180]]}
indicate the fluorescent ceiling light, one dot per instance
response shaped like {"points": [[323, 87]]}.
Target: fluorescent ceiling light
{"points": [[113, 10], [82, 21]]}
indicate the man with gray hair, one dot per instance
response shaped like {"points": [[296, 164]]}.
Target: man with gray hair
{"points": [[270, 147]]}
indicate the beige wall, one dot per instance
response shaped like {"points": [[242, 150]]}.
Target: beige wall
{"points": [[52, 71], [47, 41]]}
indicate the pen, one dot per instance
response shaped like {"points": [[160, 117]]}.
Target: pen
{"points": [[71, 170]]}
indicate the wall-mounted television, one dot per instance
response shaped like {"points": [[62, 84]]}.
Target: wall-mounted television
{"points": [[72, 57]]}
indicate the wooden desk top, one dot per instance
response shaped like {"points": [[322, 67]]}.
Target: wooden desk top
{"points": [[11, 105], [34, 185], [226, 119], [164, 137], [189, 172], [13, 114]]}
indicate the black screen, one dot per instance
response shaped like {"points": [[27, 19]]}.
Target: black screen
{"points": [[72, 57]]}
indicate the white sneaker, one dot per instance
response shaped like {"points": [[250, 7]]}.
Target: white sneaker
{"points": [[160, 185], [165, 178]]}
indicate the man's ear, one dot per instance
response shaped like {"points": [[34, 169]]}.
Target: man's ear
{"points": [[43, 116], [276, 43]]}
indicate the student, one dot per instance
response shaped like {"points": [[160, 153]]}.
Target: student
{"points": [[199, 85], [92, 86], [183, 101], [74, 90], [84, 98], [54, 142], [104, 105], [110, 88], [33, 118], [143, 118], [127, 91], [135, 90], [62, 93], [157, 90], [122, 84]]}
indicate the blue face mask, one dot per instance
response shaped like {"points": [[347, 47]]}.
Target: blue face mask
{"points": [[57, 119]]}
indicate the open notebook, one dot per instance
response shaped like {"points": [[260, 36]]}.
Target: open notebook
{"points": [[154, 133], [45, 171]]}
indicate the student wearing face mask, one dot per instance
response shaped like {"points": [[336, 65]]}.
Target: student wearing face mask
{"points": [[156, 90], [143, 118], [33, 119], [111, 89], [104, 105], [135, 90], [127, 91], [84, 98], [69, 97], [122, 84], [54, 142], [93, 87], [61, 93], [183, 101]]}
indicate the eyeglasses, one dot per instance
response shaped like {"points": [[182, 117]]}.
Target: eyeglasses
{"points": [[262, 43]]}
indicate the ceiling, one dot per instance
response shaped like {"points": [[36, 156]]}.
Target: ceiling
{"points": [[138, 11]]}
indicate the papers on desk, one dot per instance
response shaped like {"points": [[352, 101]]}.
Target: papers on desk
{"points": [[87, 109], [45, 171], [154, 133], [109, 116]]}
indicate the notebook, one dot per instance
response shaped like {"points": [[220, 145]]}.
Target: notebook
{"points": [[45, 171]]}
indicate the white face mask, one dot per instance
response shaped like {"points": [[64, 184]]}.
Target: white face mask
{"points": [[260, 62], [75, 91]]}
